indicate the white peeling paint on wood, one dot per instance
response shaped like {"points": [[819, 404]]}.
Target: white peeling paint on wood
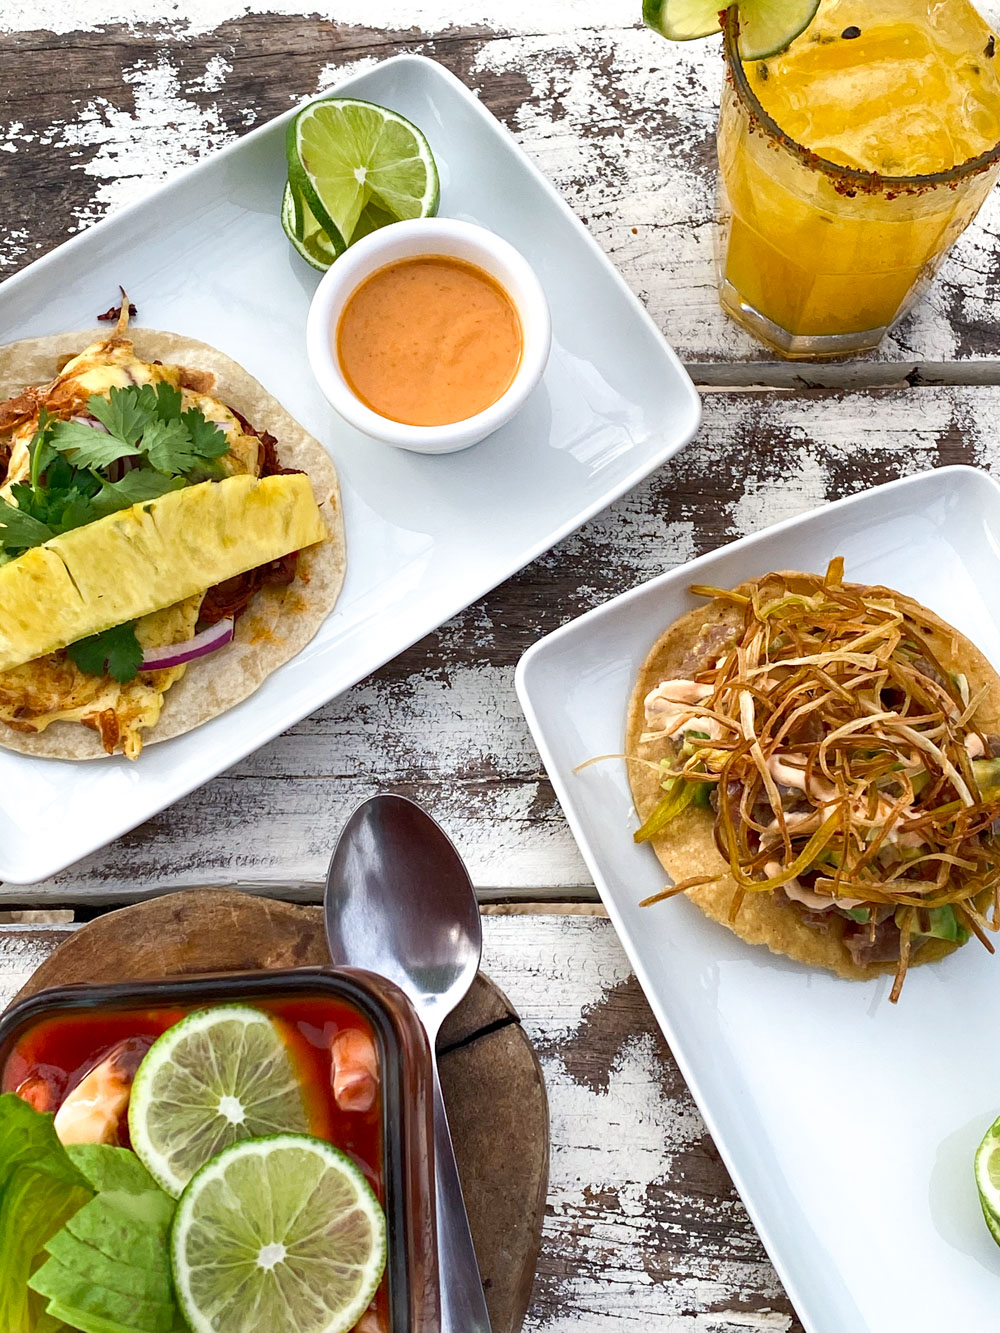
{"points": [[22, 950], [620, 120], [523, 952], [135, 148], [621, 1146], [615, 1146]]}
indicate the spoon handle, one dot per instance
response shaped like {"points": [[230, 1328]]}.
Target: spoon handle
{"points": [[463, 1305]]}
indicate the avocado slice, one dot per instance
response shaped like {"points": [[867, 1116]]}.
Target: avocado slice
{"points": [[987, 772], [939, 923]]}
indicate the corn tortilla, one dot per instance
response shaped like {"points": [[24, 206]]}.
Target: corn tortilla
{"points": [[687, 849]]}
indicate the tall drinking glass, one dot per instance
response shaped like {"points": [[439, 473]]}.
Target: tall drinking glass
{"points": [[849, 165]]}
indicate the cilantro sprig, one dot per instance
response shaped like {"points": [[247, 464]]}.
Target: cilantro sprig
{"points": [[147, 423], [116, 651], [69, 483]]}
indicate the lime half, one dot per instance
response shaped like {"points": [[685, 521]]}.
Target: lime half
{"points": [[766, 26], [215, 1078], [359, 167], [278, 1234], [305, 233]]}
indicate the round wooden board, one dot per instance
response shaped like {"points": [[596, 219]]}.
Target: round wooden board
{"points": [[491, 1079]]}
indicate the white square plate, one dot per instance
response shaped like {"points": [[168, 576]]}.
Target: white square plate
{"points": [[205, 255], [848, 1124]]}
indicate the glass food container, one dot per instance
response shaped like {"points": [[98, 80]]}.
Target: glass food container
{"points": [[404, 1173]]}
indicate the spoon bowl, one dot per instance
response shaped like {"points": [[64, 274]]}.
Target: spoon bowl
{"points": [[400, 903]]}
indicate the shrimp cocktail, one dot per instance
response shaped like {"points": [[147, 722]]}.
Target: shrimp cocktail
{"points": [[853, 151], [215, 1156]]}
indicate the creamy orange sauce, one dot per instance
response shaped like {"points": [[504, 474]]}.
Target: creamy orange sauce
{"points": [[429, 341]]}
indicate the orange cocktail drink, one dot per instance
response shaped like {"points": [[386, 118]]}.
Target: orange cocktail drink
{"points": [[850, 162]]}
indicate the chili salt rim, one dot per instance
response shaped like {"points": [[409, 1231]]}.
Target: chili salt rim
{"points": [[848, 181]]}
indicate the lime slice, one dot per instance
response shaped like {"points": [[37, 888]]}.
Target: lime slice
{"points": [[766, 26], [305, 233], [280, 1233], [215, 1078], [682, 20], [988, 1172], [359, 167]]}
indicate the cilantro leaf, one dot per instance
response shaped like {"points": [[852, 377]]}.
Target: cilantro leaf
{"points": [[19, 531], [186, 447], [208, 440], [86, 447], [126, 412], [117, 651], [168, 447], [73, 511], [142, 420], [59, 475], [168, 401], [135, 487], [59, 507]]}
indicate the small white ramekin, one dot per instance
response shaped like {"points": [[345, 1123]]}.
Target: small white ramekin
{"points": [[406, 240]]}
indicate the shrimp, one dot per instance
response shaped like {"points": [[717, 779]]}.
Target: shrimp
{"points": [[39, 1092], [93, 1110], [354, 1070]]}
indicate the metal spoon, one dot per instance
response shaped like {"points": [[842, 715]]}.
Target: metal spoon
{"points": [[399, 902]]}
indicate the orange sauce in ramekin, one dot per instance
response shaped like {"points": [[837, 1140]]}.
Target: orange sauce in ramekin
{"points": [[429, 341]]}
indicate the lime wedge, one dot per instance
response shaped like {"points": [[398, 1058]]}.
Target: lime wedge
{"points": [[766, 26], [215, 1078], [280, 1233], [305, 233], [359, 167], [987, 1167], [682, 20]]}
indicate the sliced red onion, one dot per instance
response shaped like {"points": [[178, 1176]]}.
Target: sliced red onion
{"points": [[93, 423], [176, 654]]}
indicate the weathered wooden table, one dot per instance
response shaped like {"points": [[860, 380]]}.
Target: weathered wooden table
{"points": [[99, 99]]}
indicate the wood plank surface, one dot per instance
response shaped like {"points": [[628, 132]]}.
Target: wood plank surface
{"points": [[100, 100], [622, 121], [442, 724], [643, 1230]]}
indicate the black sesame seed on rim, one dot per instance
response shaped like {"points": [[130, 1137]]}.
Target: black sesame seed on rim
{"points": [[850, 33], [991, 47]]}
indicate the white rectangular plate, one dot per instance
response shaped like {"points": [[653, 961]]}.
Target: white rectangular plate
{"points": [[205, 255], [848, 1124]]}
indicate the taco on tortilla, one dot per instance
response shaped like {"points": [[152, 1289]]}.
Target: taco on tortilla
{"points": [[169, 535], [817, 766]]}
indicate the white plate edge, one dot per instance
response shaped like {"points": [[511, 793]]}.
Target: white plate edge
{"points": [[32, 873], [808, 1316]]}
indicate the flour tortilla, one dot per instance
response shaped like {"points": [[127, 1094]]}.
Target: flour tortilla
{"points": [[687, 849], [279, 622]]}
